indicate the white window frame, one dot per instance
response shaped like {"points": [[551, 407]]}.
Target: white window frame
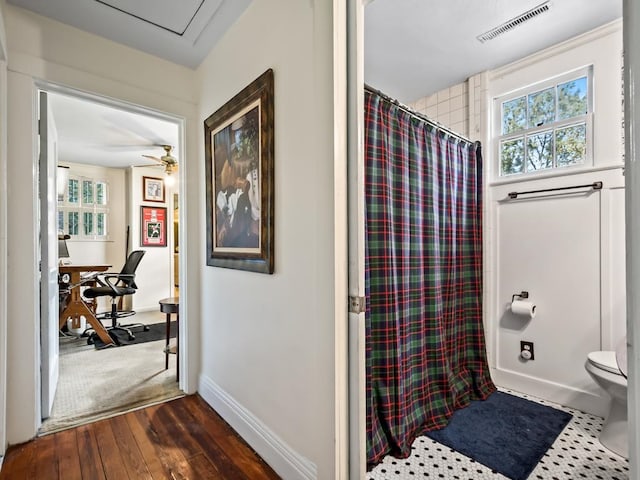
{"points": [[587, 119], [65, 207]]}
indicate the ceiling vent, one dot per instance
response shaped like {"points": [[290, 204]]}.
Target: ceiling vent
{"points": [[514, 22]]}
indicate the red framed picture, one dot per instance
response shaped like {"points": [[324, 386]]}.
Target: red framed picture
{"points": [[153, 226]]}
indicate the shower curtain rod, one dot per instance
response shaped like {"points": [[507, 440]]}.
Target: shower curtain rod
{"points": [[418, 115]]}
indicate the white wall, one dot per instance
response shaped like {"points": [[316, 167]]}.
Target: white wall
{"points": [[153, 276], [268, 361], [568, 250], [43, 49]]}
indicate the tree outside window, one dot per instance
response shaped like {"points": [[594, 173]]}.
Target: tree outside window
{"points": [[545, 128]]}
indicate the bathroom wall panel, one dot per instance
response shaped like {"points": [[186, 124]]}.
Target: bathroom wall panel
{"points": [[614, 311], [550, 247]]}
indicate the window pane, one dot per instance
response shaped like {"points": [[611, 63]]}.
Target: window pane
{"points": [[87, 220], [540, 151], [572, 99], [60, 221], [514, 115], [87, 192], [73, 192], [101, 193], [511, 156], [73, 223], [542, 107], [571, 145], [101, 227]]}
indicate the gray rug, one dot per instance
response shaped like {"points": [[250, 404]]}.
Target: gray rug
{"points": [[96, 384]]}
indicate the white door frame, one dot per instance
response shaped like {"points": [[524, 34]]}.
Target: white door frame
{"points": [[3, 238], [183, 350], [356, 227], [631, 39]]}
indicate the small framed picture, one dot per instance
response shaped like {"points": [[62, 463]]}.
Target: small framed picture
{"points": [[153, 226], [152, 189]]}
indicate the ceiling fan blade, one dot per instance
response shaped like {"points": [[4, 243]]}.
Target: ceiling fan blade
{"points": [[147, 165], [151, 157]]}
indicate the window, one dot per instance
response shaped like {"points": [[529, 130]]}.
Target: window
{"points": [[545, 126], [83, 213]]}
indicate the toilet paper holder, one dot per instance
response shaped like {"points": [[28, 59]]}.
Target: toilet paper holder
{"points": [[522, 294]]}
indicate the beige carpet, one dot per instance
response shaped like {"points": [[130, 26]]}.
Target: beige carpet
{"points": [[96, 384]]}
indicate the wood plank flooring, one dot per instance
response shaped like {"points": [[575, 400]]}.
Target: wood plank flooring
{"points": [[180, 439]]}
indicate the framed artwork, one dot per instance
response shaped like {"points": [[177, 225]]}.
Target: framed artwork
{"points": [[153, 226], [239, 179], [152, 189]]}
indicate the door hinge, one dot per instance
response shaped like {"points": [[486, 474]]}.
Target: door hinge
{"points": [[357, 304]]}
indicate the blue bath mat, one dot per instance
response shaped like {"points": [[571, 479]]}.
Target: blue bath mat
{"points": [[505, 433]]}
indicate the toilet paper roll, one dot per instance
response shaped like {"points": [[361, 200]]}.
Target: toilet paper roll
{"points": [[521, 307]]}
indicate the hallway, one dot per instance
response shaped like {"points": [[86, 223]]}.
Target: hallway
{"points": [[180, 439]]}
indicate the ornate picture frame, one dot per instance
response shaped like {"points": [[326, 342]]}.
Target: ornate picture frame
{"points": [[239, 155]]}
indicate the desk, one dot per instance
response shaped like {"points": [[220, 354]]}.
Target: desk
{"points": [[76, 306], [171, 305]]}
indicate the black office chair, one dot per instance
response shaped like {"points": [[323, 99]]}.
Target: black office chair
{"points": [[117, 285]]}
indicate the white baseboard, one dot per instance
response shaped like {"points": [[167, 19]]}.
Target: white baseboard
{"points": [[587, 402], [281, 457]]}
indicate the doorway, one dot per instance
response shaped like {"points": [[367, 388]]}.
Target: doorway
{"points": [[424, 103], [119, 176]]}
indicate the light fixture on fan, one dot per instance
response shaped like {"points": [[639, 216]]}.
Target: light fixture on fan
{"points": [[169, 162]]}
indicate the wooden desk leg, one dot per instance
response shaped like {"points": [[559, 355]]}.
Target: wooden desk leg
{"points": [[77, 309], [166, 348]]}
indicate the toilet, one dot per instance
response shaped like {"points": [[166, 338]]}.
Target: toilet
{"points": [[609, 370]]}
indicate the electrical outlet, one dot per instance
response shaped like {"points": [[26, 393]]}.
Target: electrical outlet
{"points": [[527, 347]]}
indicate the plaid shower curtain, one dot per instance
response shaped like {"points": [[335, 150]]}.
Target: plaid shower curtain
{"points": [[425, 350]]}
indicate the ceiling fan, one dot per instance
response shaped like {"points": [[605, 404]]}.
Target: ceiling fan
{"points": [[167, 160]]}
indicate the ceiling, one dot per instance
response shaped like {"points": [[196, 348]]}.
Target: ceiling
{"points": [[414, 48], [98, 134], [181, 31]]}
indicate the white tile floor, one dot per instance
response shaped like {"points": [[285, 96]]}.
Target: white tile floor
{"points": [[576, 454]]}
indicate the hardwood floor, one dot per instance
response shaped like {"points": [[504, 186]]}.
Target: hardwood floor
{"points": [[180, 439]]}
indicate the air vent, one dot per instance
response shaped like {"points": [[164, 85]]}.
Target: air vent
{"points": [[514, 22]]}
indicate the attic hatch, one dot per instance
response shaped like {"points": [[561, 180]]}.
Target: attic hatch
{"points": [[514, 22], [169, 15]]}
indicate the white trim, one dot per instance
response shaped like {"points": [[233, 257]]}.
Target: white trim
{"points": [[3, 244], [356, 237], [280, 456], [3, 236], [340, 120], [561, 394], [561, 172]]}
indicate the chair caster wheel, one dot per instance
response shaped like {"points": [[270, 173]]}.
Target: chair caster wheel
{"points": [[146, 328]]}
